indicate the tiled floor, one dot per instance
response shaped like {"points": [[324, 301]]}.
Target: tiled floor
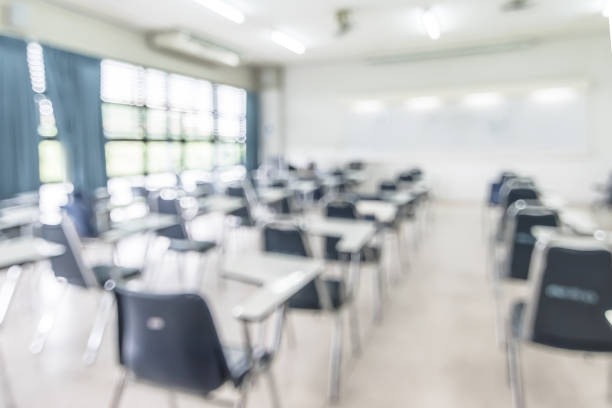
{"points": [[436, 346]]}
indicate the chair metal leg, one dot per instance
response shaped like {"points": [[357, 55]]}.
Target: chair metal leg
{"points": [[514, 371], [378, 286], [354, 325], [242, 399], [336, 360], [272, 388], [97, 332], [13, 274], [5, 386], [47, 321], [119, 390]]}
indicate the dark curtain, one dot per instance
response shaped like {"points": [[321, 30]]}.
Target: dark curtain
{"points": [[252, 142], [18, 122], [73, 86]]}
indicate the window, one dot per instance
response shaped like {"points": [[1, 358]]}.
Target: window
{"points": [[158, 122], [52, 163]]}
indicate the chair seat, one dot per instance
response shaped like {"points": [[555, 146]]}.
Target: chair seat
{"points": [[188, 245], [238, 363], [308, 298], [104, 273]]}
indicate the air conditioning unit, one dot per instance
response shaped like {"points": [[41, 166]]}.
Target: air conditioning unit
{"points": [[185, 44]]}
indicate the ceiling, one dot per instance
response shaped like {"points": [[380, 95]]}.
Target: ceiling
{"points": [[380, 26]]}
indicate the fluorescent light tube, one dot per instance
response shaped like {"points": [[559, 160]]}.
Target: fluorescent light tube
{"points": [[424, 103], [223, 9], [553, 95], [607, 8], [431, 23], [483, 100], [288, 42]]}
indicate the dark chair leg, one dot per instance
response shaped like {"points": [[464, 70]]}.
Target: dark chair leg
{"points": [[336, 359], [514, 369]]}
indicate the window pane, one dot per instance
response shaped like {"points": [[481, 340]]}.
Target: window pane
{"points": [[51, 161], [230, 154], [198, 156], [231, 101], [156, 88], [122, 83], [124, 158], [157, 127], [46, 127], [121, 121], [189, 94], [163, 157], [197, 126], [174, 124], [231, 128]]}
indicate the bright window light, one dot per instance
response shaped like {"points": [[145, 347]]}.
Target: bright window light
{"points": [[368, 106], [223, 9], [483, 100], [553, 95], [288, 42], [424, 103], [607, 8], [431, 23]]}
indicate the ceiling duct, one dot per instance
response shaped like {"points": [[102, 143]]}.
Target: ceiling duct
{"points": [[449, 53], [185, 44]]}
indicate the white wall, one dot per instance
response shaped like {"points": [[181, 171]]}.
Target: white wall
{"points": [[316, 108], [77, 32]]}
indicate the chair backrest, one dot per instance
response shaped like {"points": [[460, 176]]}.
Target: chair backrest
{"points": [[341, 209], [517, 189], [285, 238], [387, 186], [406, 177], [356, 165], [521, 242], [572, 292], [168, 202], [80, 209], [70, 265], [170, 339], [417, 173]]}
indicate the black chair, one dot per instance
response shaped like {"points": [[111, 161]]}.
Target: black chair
{"points": [[406, 177], [387, 186], [572, 280], [521, 242], [171, 340], [345, 208], [71, 270], [168, 202], [331, 295], [511, 192]]}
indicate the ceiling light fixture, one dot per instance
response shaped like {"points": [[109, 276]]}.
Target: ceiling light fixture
{"points": [[288, 42], [553, 95], [223, 9], [368, 106], [607, 8], [424, 103], [483, 100], [431, 23]]}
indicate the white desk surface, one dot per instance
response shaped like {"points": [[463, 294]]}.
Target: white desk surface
{"points": [[331, 181], [150, 222], [580, 221], [353, 234], [18, 217], [304, 187], [270, 195], [280, 277], [25, 250], [384, 212], [220, 204]]}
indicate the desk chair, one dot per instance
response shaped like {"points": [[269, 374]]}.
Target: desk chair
{"points": [[572, 291], [331, 295], [171, 340], [168, 202], [519, 244], [511, 192], [71, 270], [387, 186]]}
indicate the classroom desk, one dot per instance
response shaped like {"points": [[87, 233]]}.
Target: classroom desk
{"points": [[149, 223], [271, 195], [579, 221], [383, 211], [15, 253], [220, 204], [18, 217]]}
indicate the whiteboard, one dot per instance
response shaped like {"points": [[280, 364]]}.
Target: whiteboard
{"points": [[518, 124]]}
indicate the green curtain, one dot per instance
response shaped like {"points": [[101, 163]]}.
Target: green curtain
{"points": [[18, 121], [252, 142]]}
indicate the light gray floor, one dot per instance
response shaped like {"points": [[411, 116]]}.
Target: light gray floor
{"points": [[435, 348]]}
